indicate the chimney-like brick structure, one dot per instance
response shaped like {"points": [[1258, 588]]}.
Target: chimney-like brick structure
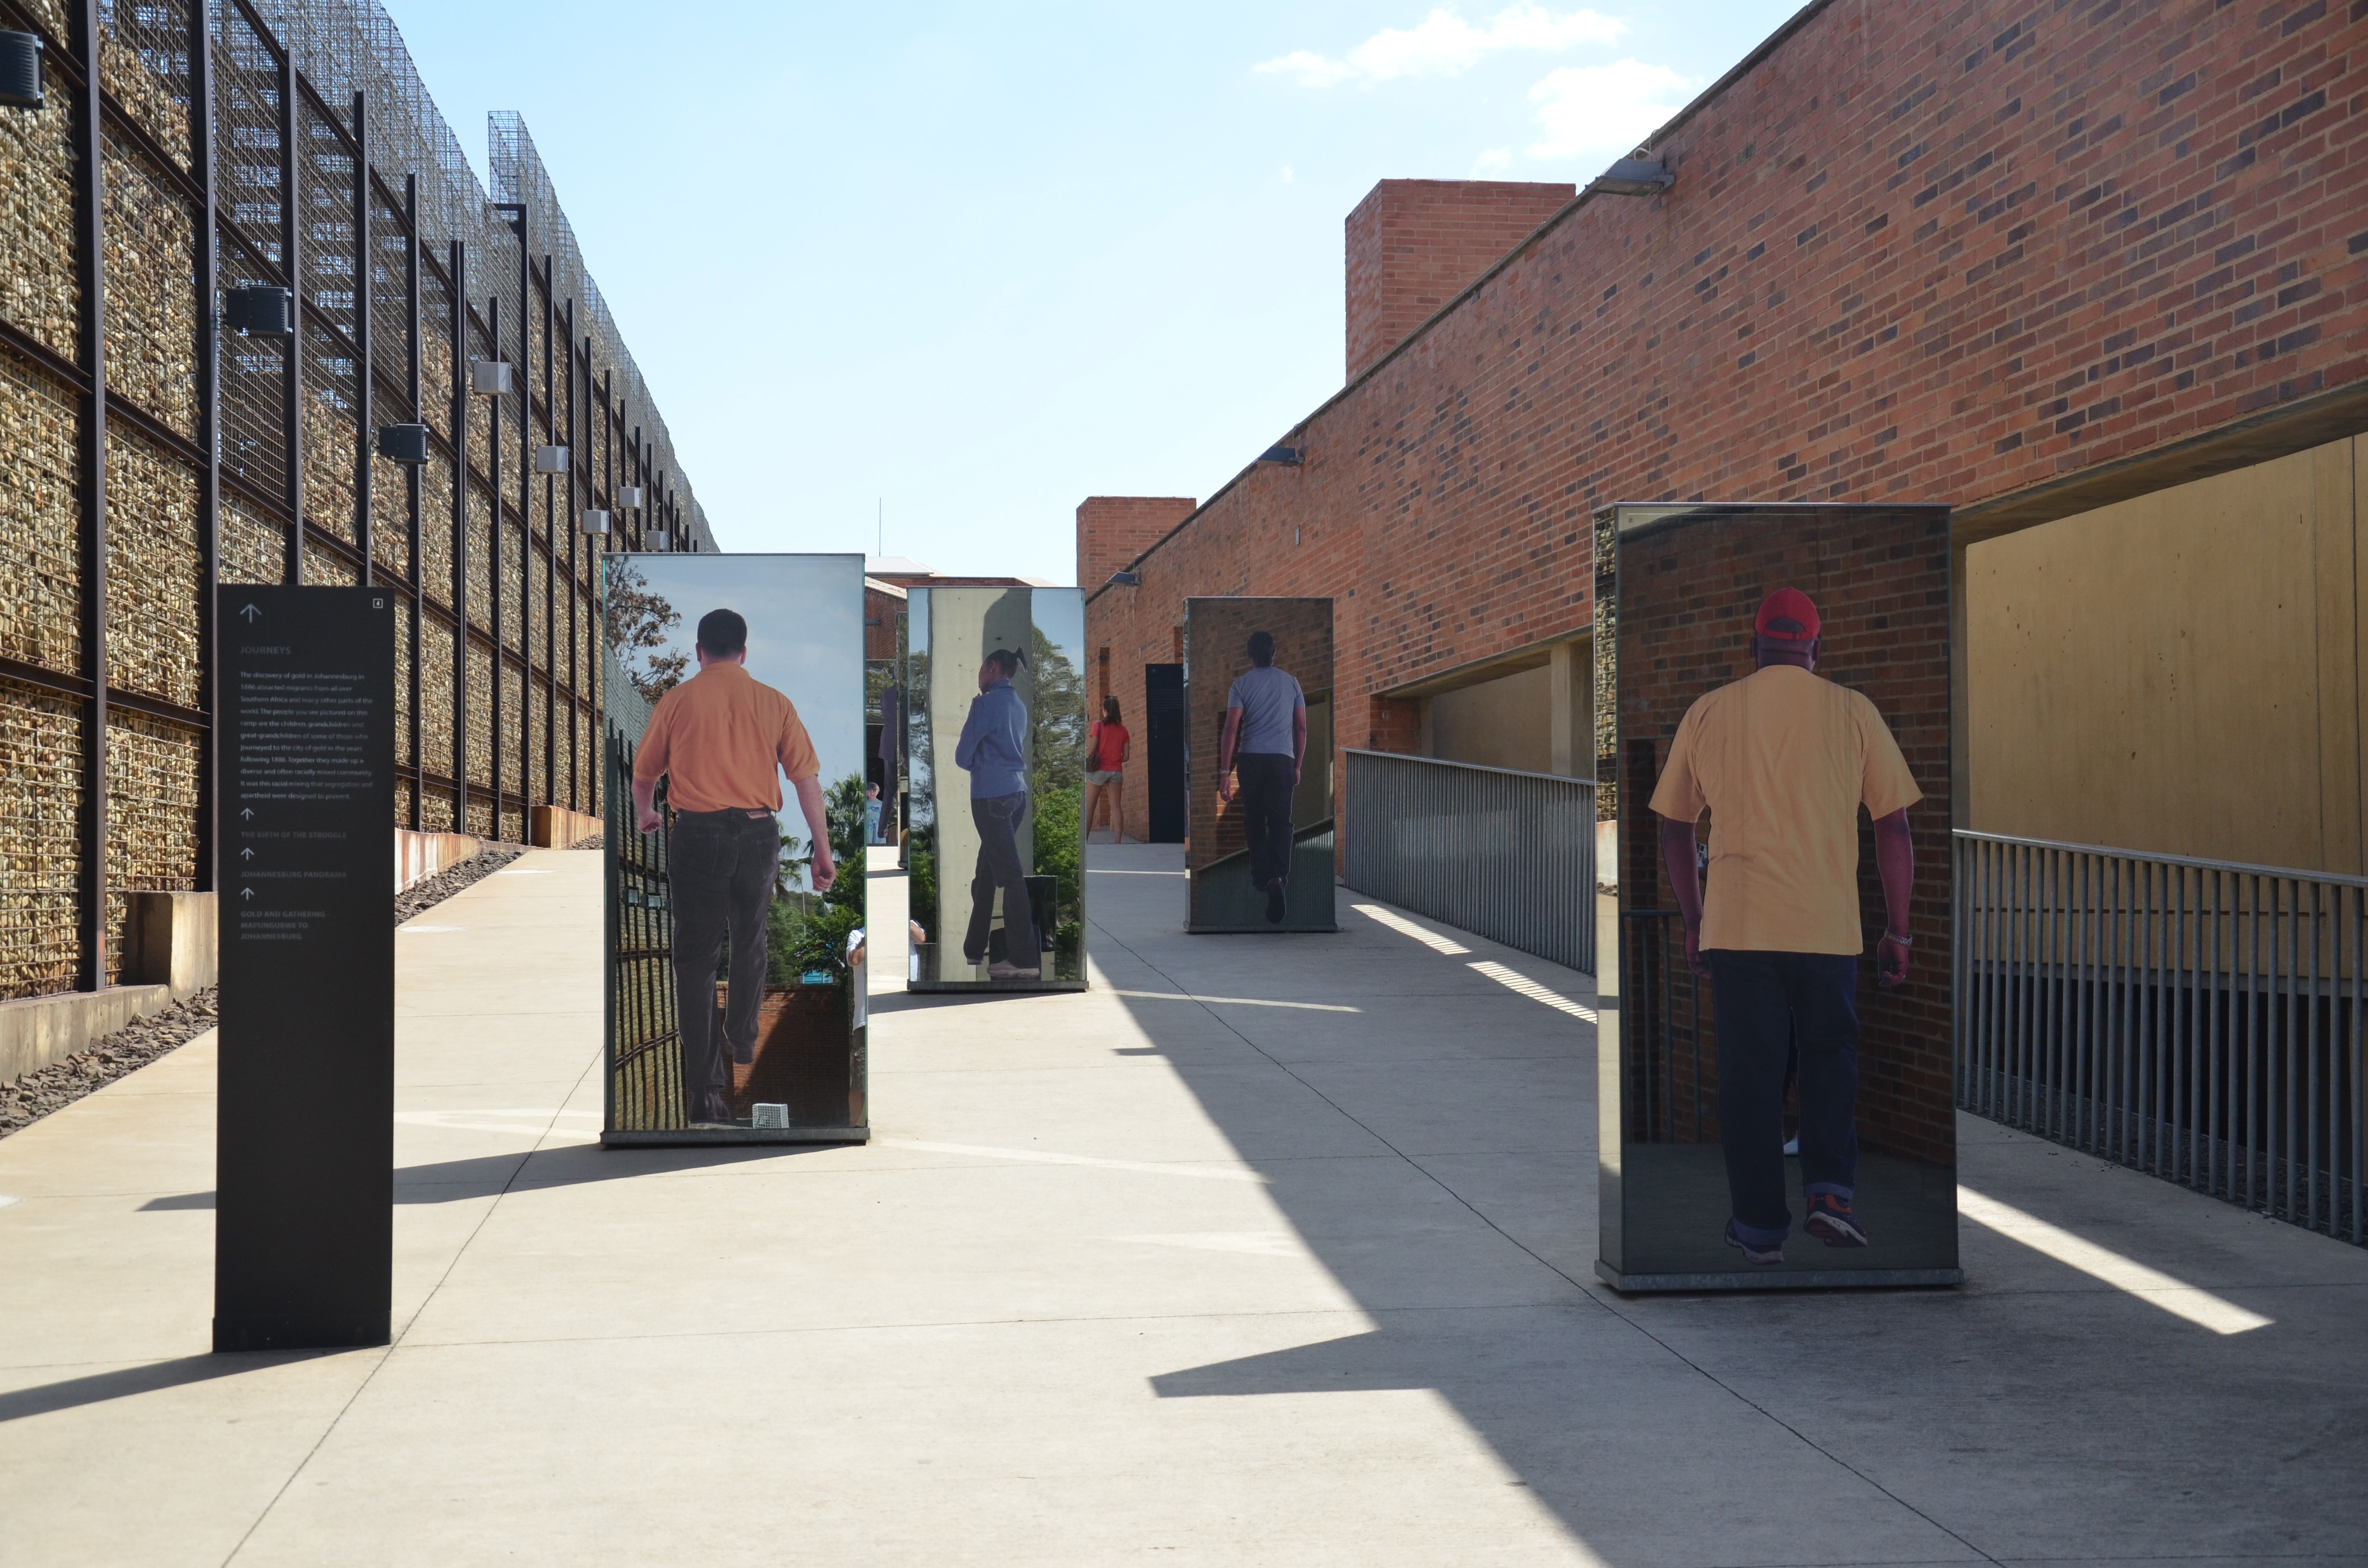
{"points": [[1114, 529], [1415, 244]]}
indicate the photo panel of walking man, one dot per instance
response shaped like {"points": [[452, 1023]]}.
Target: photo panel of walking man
{"points": [[1258, 679], [736, 822], [997, 731], [1775, 1037]]}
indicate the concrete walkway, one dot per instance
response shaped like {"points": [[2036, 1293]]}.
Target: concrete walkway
{"points": [[1268, 1251]]}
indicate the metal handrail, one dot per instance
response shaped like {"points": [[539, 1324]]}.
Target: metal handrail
{"points": [[1502, 853], [2188, 860]]}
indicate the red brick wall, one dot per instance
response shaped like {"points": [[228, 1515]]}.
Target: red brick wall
{"points": [[1114, 529], [1414, 245], [1927, 253]]}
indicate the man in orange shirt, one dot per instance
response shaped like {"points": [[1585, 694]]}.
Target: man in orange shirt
{"points": [[723, 740], [1782, 760]]}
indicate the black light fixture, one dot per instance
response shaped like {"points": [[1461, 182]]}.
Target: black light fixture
{"points": [[550, 459], [490, 378], [1126, 580], [596, 522], [20, 70], [260, 312], [403, 443], [1631, 177], [1290, 457]]}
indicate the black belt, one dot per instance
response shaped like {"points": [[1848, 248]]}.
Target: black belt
{"points": [[729, 813]]}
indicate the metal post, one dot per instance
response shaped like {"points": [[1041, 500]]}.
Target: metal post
{"points": [[90, 266], [494, 566], [526, 537], [201, 121], [415, 563], [575, 591], [365, 291], [291, 233], [549, 557], [457, 298]]}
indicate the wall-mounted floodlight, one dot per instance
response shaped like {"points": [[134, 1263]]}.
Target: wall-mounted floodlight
{"points": [[550, 459], [20, 70], [596, 522], [655, 540], [263, 311], [490, 378], [1290, 456], [628, 496], [1126, 580], [403, 443], [1633, 177]]}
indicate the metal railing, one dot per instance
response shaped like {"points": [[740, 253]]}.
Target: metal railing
{"points": [[1507, 855], [2198, 1020]]}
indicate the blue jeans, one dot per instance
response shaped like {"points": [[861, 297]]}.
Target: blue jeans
{"points": [[720, 871], [1770, 1004], [997, 818]]}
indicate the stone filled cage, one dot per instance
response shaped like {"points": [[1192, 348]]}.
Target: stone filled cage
{"points": [[283, 144]]}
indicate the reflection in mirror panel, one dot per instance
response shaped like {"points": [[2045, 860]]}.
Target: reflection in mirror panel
{"points": [[996, 726], [1263, 859], [1774, 1153], [737, 1007]]}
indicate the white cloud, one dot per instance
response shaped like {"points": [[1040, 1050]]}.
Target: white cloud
{"points": [[1604, 108], [1491, 161], [1443, 44]]}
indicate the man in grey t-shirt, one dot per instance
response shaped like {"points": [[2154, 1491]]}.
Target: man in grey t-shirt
{"points": [[1265, 741]]}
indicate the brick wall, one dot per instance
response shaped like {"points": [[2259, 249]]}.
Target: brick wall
{"points": [[1414, 245], [1880, 579], [1114, 529], [1916, 253]]}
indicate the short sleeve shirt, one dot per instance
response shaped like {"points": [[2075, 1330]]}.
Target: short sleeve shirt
{"points": [[1267, 697], [719, 737], [1783, 759]]}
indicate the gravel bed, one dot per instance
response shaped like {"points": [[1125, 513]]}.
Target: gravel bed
{"points": [[128, 1050]]}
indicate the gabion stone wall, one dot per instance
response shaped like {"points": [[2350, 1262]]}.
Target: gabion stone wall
{"points": [[282, 143]]}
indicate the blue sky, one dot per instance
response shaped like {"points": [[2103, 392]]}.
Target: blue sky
{"points": [[973, 264]]}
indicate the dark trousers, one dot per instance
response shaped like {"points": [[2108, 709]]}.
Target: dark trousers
{"points": [[1769, 1006], [1266, 784], [720, 868], [997, 818]]}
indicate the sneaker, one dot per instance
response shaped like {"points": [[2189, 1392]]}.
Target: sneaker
{"points": [[1830, 1220], [1274, 904], [999, 969], [1752, 1254]]}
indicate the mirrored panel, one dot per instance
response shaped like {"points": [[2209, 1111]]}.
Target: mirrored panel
{"points": [[996, 726], [734, 836], [1257, 695], [1773, 743]]}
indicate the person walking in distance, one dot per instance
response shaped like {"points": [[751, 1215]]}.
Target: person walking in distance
{"points": [[1265, 743], [1106, 753], [1782, 760], [723, 741], [994, 751]]}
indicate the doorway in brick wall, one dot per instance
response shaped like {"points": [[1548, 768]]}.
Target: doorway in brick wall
{"points": [[1163, 746]]}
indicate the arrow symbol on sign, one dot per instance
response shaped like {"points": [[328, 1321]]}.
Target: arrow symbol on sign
{"points": [[247, 854], [246, 893], [248, 614], [246, 816]]}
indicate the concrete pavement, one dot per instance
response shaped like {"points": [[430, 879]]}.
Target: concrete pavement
{"points": [[1268, 1250]]}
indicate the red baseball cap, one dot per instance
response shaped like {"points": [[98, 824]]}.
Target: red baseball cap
{"points": [[1787, 616]]}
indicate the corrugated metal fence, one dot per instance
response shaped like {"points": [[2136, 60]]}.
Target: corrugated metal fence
{"points": [[2198, 1020], [1507, 854]]}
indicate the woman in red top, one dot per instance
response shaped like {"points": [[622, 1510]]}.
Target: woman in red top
{"points": [[1106, 751]]}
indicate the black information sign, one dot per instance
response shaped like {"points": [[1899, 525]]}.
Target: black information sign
{"points": [[303, 1241]]}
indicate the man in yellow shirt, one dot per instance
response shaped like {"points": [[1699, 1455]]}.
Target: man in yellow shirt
{"points": [[1782, 760], [719, 739]]}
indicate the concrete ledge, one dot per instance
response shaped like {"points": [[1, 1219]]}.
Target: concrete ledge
{"points": [[171, 939], [37, 1030], [556, 827]]}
